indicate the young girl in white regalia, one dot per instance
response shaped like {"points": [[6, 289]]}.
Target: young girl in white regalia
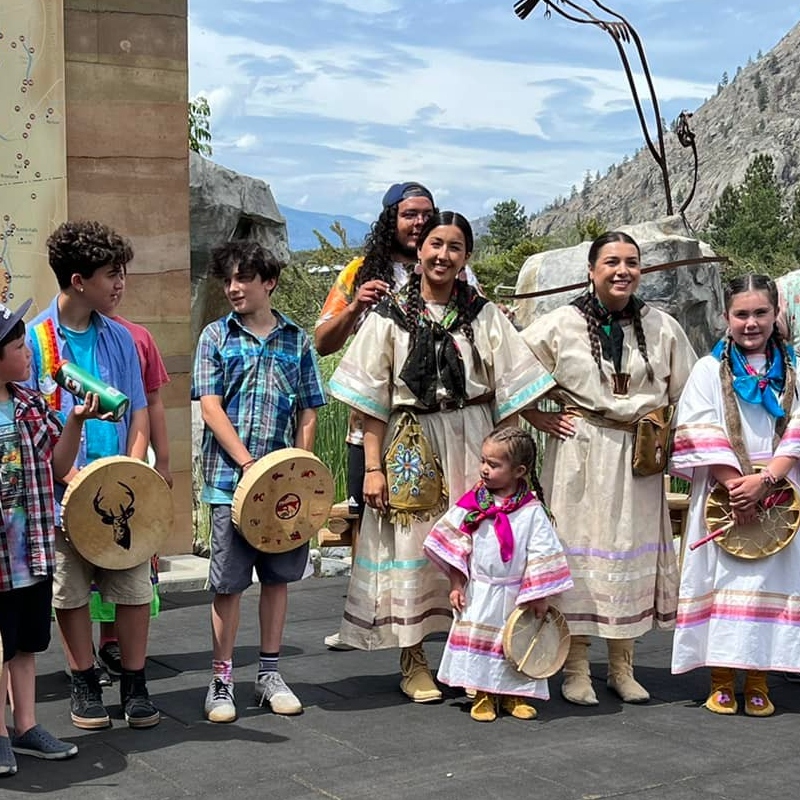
{"points": [[499, 549], [739, 408]]}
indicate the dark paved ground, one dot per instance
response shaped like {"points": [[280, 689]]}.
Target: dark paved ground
{"points": [[360, 738]]}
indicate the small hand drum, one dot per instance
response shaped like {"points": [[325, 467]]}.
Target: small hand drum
{"points": [[776, 525], [117, 512], [536, 647], [283, 500]]}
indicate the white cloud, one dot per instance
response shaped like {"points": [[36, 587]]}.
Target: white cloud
{"points": [[368, 6], [246, 142], [482, 106], [468, 92]]}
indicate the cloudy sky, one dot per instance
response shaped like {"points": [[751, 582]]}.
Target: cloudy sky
{"points": [[330, 101]]}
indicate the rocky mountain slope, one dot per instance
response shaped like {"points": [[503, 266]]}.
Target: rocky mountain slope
{"points": [[756, 112]]}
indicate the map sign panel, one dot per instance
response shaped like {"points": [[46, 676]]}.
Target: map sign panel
{"points": [[33, 150]]}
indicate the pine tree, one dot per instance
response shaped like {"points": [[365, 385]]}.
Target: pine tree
{"points": [[509, 225], [749, 221]]}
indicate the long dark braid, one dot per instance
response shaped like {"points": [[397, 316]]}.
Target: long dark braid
{"points": [[641, 342], [416, 305], [584, 303], [464, 298], [733, 420], [378, 248]]}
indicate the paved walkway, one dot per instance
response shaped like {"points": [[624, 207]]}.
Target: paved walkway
{"points": [[360, 738]]}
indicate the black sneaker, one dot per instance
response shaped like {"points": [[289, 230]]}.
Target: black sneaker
{"points": [[86, 702], [103, 675], [135, 700], [109, 657]]}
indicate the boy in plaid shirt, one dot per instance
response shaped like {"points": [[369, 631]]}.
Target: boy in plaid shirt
{"points": [[33, 447], [258, 384]]}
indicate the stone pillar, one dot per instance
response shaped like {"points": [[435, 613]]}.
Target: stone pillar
{"points": [[128, 166]]}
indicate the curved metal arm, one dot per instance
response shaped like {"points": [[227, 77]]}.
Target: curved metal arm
{"points": [[621, 31], [686, 137]]}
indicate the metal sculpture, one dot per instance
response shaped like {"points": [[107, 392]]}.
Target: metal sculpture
{"points": [[686, 137], [622, 33]]}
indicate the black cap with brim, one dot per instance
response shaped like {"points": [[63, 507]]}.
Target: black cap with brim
{"points": [[9, 318], [402, 191]]}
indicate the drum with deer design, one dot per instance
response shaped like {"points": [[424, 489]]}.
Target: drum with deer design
{"points": [[283, 500], [117, 512]]}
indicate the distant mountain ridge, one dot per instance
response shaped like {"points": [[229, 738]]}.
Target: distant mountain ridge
{"points": [[754, 113], [300, 226]]}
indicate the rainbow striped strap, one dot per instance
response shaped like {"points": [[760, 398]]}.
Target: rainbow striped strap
{"points": [[46, 343]]}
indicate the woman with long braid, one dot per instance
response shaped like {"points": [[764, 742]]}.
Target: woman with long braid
{"points": [[439, 348], [614, 359], [739, 408]]}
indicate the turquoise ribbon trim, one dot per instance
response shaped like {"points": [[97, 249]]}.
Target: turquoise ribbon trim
{"points": [[372, 566], [523, 399], [351, 398]]}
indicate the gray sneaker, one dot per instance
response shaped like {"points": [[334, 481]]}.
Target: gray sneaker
{"points": [[271, 688], [220, 705], [40, 743], [8, 762]]}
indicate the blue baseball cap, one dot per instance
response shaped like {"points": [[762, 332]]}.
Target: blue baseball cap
{"points": [[9, 318], [402, 191]]}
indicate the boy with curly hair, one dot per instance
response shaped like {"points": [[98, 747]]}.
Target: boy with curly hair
{"points": [[88, 260]]}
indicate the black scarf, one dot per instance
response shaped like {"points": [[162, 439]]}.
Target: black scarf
{"points": [[434, 352], [610, 329]]}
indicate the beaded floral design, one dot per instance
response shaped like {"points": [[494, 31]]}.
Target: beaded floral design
{"points": [[407, 467]]}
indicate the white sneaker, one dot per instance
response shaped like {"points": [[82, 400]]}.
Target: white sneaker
{"points": [[219, 705], [334, 642], [271, 688]]}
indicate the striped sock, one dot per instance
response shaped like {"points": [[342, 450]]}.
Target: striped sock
{"points": [[222, 669], [267, 662]]}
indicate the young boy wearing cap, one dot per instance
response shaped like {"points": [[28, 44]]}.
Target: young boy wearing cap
{"points": [[33, 447], [88, 260], [258, 384]]}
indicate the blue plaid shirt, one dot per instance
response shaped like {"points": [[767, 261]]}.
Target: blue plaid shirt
{"points": [[263, 384]]}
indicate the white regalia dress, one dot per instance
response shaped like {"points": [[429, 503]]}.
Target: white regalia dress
{"points": [[473, 656], [614, 526], [396, 597], [732, 612]]}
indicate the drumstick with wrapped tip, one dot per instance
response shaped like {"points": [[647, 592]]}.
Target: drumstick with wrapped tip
{"points": [[713, 535]]}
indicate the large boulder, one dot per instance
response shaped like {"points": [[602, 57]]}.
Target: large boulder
{"points": [[693, 295], [225, 205]]}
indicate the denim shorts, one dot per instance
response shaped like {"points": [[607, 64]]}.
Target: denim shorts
{"points": [[233, 558]]}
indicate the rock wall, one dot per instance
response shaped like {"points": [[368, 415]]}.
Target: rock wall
{"points": [[693, 295], [225, 205]]}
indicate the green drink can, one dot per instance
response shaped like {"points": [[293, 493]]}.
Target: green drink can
{"points": [[78, 381]]}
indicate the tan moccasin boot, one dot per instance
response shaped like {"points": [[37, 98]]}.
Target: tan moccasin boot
{"points": [[756, 694], [577, 686], [620, 672], [517, 707], [721, 698], [417, 682], [484, 707]]}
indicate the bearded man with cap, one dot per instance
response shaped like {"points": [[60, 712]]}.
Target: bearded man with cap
{"points": [[390, 251]]}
